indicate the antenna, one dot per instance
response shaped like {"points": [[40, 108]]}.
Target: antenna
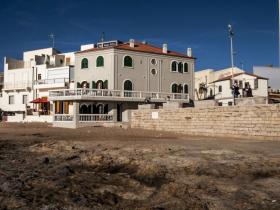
{"points": [[52, 37], [102, 37]]}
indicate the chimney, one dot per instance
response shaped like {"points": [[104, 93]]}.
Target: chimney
{"points": [[131, 43], [164, 48], [189, 52]]}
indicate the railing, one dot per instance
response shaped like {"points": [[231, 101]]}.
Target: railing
{"points": [[95, 118], [118, 94], [63, 118], [51, 81]]}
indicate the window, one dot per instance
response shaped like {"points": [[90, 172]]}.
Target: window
{"points": [[186, 89], [230, 103], [180, 67], [84, 64], [174, 66], [99, 84], [256, 83], [100, 61], [240, 84], [180, 89], [24, 99], [153, 72], [11, 99], [154, 61], [127, 85], [127, 61], [174, 88], [39, 76], [186, 67], [105, 84], [220, 88], [68, 61]]}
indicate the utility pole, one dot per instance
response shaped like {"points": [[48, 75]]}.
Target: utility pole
{"points": [[279, 31], [52, 37], [231, 34]]}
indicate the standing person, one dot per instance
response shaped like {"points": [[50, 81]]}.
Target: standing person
{"points": [[235, 89]]}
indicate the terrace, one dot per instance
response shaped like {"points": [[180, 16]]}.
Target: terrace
{"points": [[116, 95]]}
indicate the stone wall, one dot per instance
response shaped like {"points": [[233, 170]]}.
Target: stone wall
{"points": [[259, 121]]}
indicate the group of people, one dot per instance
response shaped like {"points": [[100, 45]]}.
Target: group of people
{"points": [[247, 90]]}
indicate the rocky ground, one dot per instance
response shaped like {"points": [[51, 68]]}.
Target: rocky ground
{"points": [[108, 168]]}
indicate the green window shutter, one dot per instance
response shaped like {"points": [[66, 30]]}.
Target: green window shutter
{"points": [[99, 61], [128, 61], [84, 63], [93, 85], [105, 84], [78, 85], [186, 67], [174, 66]]}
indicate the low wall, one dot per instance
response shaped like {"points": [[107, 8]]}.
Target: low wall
{"points": [[30, 118], [259, 121]]}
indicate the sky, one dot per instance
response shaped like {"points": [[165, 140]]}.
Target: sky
{"points": [[200, 25]]}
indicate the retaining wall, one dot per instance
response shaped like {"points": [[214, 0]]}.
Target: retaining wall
{"points": [[258, 121]]}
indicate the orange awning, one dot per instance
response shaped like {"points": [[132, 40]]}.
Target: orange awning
{"points": [[40, 100]]}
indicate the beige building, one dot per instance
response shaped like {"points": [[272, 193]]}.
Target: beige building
{"points": [[112, 78]]}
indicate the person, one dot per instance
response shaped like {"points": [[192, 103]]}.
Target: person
{"points": [[235, 89], [249, 92]]}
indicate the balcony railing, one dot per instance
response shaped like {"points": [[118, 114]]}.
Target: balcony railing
{"points": [[52, 81], [95, 118], [115, 94], [63, 118], [17, 85]]}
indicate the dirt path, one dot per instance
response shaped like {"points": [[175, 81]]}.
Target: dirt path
{"points": [[105, 168]]}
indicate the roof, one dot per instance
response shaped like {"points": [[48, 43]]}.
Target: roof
{"points": [[235, 75], [40, 100], [139, 47]]}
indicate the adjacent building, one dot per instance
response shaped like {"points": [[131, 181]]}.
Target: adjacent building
{"points": [[27, 83]]}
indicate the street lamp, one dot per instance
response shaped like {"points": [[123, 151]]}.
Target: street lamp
{"points": [[231, 34]]}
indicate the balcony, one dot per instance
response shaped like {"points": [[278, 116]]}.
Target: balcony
{"points": [[17, 86], [51, 83], [115, 95]]}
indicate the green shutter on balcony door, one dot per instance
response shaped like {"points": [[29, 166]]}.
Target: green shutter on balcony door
{"points": [[93, 85], [105, 84], [78, 85]]}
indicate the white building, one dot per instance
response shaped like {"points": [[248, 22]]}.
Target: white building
{"points": [[27, 83], [222, 88], [272, 73]]}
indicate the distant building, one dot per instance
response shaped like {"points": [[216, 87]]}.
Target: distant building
{"points": [[223, 87], [204, 87], [272, 73]]}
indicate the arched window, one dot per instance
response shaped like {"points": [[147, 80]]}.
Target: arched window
{"points": [[99, 61], [105, 84], [186, 89], [180, 67], [127, 85], [84, 64], [174, 66], [186, 67], [174, 88], [127, 61]]}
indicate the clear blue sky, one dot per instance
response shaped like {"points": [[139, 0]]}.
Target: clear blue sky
{"points": [[199, 24]]}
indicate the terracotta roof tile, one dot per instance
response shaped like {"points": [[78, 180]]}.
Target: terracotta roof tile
{"points": [[140, 47]]}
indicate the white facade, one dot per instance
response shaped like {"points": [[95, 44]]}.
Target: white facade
{"points": [[223, 87], [32, 78]]}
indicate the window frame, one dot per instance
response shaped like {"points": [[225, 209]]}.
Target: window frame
{"points": [[132, 62], [186, 72], [26, 99], [82, 63], [9, 98], [171, 66], [103, 63]]}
